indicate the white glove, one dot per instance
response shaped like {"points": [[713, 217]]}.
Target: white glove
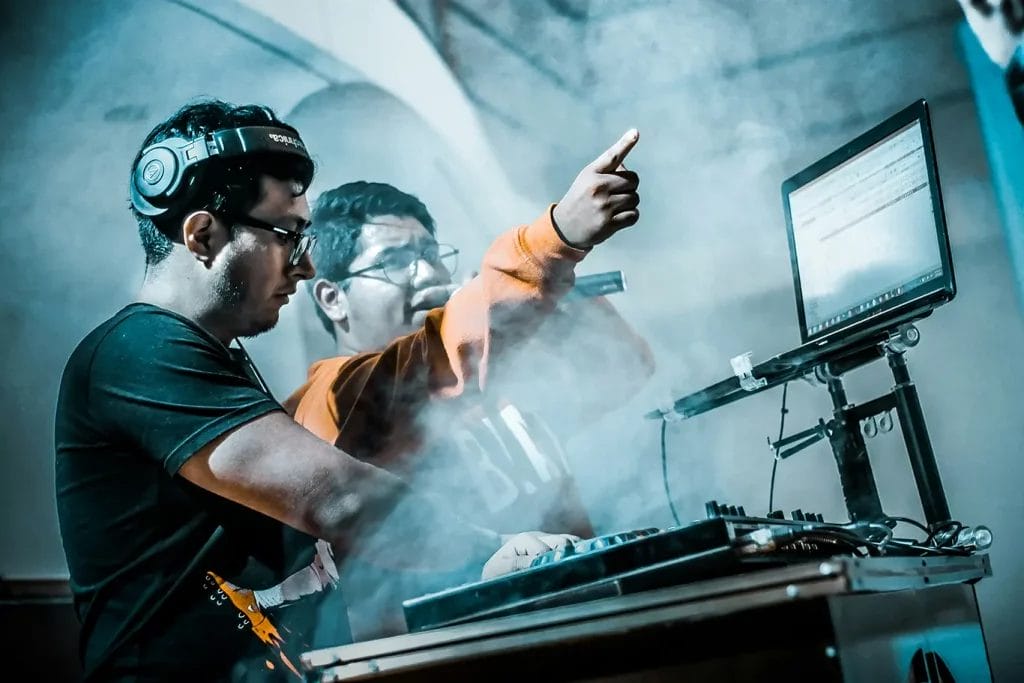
{"points": [[313, 578], [519, 550]]}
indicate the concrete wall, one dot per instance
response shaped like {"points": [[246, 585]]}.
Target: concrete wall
{"points": [[730, 98]]}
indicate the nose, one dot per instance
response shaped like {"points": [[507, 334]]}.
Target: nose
{"points": [[304, 269], [426, 274]]}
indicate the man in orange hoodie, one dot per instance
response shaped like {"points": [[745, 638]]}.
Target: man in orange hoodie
{"points": [[386, 295]]}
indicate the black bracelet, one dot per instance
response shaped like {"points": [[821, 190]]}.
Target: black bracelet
{"points": [[561, 236]]}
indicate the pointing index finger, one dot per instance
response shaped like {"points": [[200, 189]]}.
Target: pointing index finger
{"points": [[612, 157]]}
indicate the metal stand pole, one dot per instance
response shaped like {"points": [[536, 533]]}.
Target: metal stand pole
{"points": [[919, 447], [851, 455]]}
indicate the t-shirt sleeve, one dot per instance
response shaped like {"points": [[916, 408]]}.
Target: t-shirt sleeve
{"points": [[168, 388]]}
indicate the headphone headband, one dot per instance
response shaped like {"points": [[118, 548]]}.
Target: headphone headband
{"points": [[159, 178]]}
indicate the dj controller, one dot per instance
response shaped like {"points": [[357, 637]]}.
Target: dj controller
{"points": [[728, 542]]}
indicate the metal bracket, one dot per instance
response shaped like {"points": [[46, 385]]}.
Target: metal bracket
{"points": [[744, 370]]}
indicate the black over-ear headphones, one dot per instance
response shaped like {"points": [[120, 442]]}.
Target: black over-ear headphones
{"points": [[166, 170]]}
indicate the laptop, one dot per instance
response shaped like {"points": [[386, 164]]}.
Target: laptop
{"points": [[869, 251], [867, 239]]}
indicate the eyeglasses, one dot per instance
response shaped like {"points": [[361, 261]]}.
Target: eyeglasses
{"points": [[399, 266], [302, 243]]}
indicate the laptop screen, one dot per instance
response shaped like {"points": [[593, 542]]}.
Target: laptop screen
{"points": [[867, 234]]}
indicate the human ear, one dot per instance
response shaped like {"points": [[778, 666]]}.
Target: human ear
{"points": [[203, 235], [332, 300]]}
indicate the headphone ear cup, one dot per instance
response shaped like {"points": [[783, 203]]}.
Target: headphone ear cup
{"points": [[157, 177]]}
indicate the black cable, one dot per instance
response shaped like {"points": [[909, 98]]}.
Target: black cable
{"points": [[931, 542], [664, 474], [775, 464], [951, 523], [911, 522], [930, 549], [927, 547]]}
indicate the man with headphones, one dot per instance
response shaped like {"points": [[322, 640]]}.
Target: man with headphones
{"points": [[178, 475]]}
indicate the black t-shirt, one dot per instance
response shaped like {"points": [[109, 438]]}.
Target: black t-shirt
{"points": [[140, 395]]}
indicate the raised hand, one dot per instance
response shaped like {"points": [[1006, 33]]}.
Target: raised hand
{"points": [[603, 199]]}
